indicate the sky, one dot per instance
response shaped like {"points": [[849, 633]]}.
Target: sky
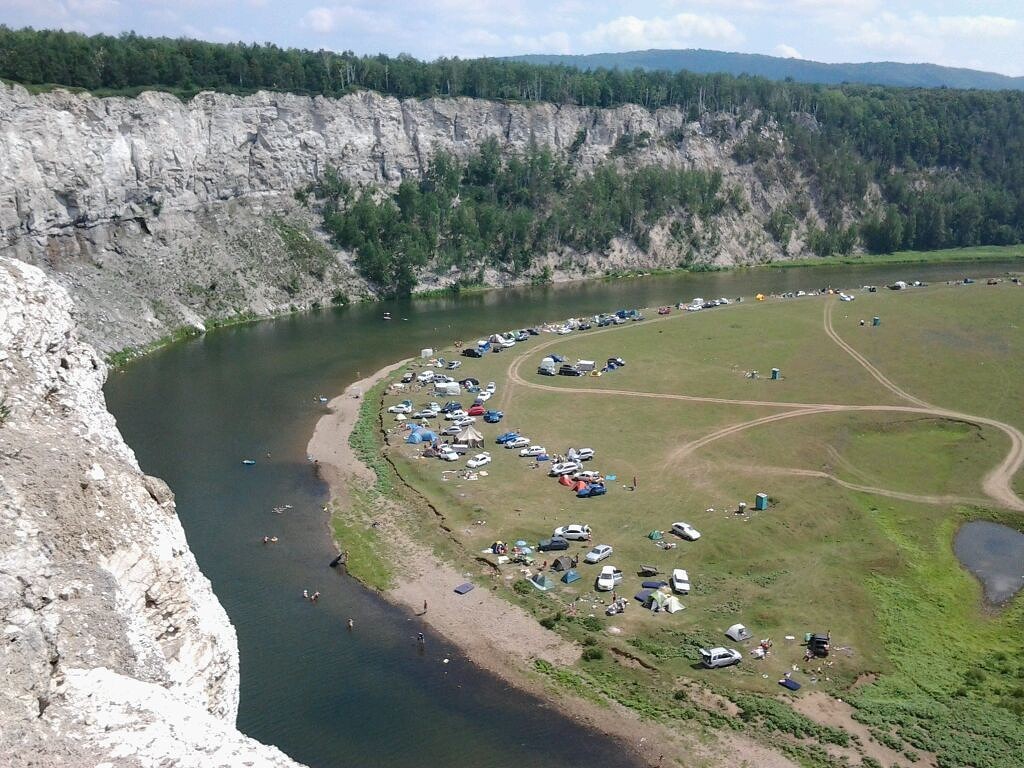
{"points": [[980, 34]]}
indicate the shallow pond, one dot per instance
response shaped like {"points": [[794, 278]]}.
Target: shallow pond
{"points": [[995, 554]]}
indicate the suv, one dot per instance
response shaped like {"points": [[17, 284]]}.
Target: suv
{"points": [[719, 657], [472, 352], [569, 370]]}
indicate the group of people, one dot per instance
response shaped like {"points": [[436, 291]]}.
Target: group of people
{"points": [[312, 598]]}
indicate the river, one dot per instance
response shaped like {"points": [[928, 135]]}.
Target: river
{"points": [[370, 697]]}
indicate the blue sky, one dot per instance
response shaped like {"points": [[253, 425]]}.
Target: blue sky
{"points": [[983, 34]]}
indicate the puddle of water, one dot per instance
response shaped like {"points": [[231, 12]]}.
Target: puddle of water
{"points": [[995, 554]]}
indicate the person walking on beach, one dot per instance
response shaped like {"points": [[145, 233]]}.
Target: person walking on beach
{"points": [[424, 606]]}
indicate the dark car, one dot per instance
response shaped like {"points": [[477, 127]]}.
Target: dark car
{"points": [[493, 417], [472, 352], [408, 377], [585, 326], [533, 331], [450, 406], [521, 335], [592, 490], [554, 544], [569, 370], [616, 361]]}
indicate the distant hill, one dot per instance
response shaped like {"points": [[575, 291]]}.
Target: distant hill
{"points": [[776, 68]]}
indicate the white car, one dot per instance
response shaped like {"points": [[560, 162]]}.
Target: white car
{"points": [[465, 422], [685, 530], [598, 553], [563, 468], [400, 408], [719, 657], [585, 454], [484, 396], [425, 376], [455, 415], [723, 301], [426, 414], [519, 442], [452, 365], [574, 532], [846, 297], [435, 407], [680, 581], [491, 387], [451, 431], [447, 454], [479, 460], [609, 577], [533, 450], [588, 476]]}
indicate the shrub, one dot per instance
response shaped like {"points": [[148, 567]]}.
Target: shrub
{"points": [[522, 587], [592, 654]]}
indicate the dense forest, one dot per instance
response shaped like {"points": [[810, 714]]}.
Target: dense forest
{"points": [[501, 210], [949, 164]]}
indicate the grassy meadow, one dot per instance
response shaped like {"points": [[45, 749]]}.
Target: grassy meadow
{"points": [[936, 674]]}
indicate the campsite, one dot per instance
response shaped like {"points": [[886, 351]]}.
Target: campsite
{"points": [[866, 463]]}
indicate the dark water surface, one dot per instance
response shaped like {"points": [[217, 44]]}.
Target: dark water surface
{"points": [[324, 695], [995, 554]]}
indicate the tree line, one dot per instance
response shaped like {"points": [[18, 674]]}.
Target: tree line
{"points": [[949, 164]]}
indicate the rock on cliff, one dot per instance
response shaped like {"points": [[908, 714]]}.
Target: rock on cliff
{"points": [[115, 650], [159, 214]]}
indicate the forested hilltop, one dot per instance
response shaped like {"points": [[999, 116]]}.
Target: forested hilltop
{"points": [[872, 168]]}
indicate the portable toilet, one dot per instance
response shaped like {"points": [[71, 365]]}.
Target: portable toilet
{"points": [[876, 321], [775, 374], [761, 501], [426, 353]]}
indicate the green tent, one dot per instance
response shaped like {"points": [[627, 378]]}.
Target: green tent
{"points": [[655, 536]]}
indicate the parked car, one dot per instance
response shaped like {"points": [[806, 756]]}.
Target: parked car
{"points": [[403, 407], [575, 532], [519, 442], [505, 437], [598, 553], [479, 460], [476, 410], [563, 468], [587, 476], [465, 421], [533, 332], [685, 530], [450, 406], [569, 370], [472, 352], [584, 454], [483, 397], [521, 335], [450, 431], [609, 578], [680, 581], [533, 450], [592, 490], [584, 326], [557, 358], [617, 361], [552, 545], [455, 415], [435, 407], [407, 377], [719, 657], [425, 376], [493, 417], [447, 454], [424, 414], [491, 387], [453, 364]]}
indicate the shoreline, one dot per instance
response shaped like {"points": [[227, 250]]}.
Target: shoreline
{"points": [[494, 634]]}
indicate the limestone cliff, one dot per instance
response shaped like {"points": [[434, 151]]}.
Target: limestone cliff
{"points": [[115, 651], [157, 214]]}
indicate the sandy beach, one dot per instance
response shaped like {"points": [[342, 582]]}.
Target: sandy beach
{"points": [[493, 633]]}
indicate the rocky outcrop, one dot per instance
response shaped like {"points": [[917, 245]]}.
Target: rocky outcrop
{"points": [[115, 651], [158, 214]]}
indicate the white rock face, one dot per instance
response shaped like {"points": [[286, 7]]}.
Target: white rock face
{"points": [[115, 650], [158, 214]]}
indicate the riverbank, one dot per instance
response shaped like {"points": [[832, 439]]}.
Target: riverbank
{"points": [[494, 634]]}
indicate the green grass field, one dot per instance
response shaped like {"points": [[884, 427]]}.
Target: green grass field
{"points": [[876, 570]]}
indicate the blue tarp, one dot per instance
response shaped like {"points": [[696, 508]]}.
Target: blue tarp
{"points": [[642, 595], [463, 588], [793, 685], [654, 584]]}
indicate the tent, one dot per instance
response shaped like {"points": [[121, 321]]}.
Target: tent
{"points": [[542, 582], [470, 382], [564, 480], [672, 604], [760, 297], [471, 437], [570, 576], [421, 435], [738, 632], [580, 485], [562, 563], [658, 600], [655, 536]]}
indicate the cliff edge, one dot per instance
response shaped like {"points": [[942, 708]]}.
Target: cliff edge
{"points": [[115, 650]]}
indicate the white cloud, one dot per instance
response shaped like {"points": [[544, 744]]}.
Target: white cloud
{"points": [[554, 42], [679, 31], [319, 19], [927, 37], [787, 51]]}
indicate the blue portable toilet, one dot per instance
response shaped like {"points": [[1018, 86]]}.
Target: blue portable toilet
{"points": [[775, 374], [761, 501], [876, 321]]}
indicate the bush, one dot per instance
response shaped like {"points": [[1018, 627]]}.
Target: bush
{"points": [[592, 654], [522, 587], [592, 623]]}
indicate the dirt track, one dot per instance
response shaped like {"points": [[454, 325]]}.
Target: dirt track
{"points": [[997, 484]]}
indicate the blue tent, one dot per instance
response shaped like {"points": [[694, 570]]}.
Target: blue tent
{"points": [[421, 435], [570, 576]]}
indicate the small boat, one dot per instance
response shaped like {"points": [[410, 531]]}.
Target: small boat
{"points": [[248, 462], [387, 315]]}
